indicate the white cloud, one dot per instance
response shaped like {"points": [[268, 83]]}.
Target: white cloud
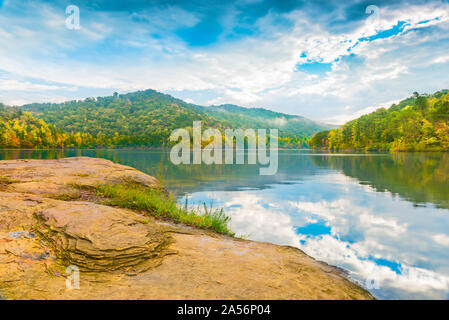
{"points": [[254, 71], [442, 59], [251, 218], [15, 85], [188, 100], [344, 117], [412, 279], [441, 239], [338, 213]]}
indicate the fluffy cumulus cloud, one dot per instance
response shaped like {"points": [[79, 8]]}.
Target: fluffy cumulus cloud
{"points": [[326, 60]]}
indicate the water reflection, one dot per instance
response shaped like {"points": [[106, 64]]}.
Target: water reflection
{"points": [[417, 177], [382, 217], [374, 235]]}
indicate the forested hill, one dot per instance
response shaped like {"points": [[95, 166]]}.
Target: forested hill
{"points": [[147, 118], [263, 118], [419, 123], [20, 129], [143, 118]]}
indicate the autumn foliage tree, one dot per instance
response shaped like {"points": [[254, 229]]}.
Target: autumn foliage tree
{"points": [[419, 123]]}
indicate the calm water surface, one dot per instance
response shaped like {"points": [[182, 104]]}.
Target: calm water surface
{"points": [[384, 218]]}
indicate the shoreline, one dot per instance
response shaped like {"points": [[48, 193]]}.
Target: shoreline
{"points": [[377, 151], [279, 149], [183, 252]]}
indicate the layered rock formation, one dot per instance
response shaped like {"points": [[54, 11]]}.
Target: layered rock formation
{"points": [[48, 224]]}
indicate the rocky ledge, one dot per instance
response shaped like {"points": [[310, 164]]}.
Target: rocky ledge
{"points": [[122, 254]]}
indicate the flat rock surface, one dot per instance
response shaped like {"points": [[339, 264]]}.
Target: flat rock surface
{"points": [[121, 254]]}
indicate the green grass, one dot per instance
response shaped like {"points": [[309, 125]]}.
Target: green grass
{"points": [[157, 203]]}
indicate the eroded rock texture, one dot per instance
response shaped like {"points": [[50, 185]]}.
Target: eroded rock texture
{"points": [[99, 238]]}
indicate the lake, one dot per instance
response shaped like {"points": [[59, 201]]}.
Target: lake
{"points": [[382, 217]]}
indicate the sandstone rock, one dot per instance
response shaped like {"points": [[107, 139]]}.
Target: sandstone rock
{"points": [[122, 254], [53, 177], [100, 238]]}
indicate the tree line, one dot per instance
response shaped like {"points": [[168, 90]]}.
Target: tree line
{"points": [[419, 123], [140, 119]]}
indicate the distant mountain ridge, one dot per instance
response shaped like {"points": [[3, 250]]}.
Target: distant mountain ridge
{"points": [[147, 118], [263, 118]]}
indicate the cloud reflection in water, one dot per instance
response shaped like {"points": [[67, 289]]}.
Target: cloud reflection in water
{"points": [[335, 219]]}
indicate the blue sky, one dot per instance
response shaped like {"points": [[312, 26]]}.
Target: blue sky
{"points": [[326, 60]]}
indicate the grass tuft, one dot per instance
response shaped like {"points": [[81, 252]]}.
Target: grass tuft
{"points": [[157, 203]]}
